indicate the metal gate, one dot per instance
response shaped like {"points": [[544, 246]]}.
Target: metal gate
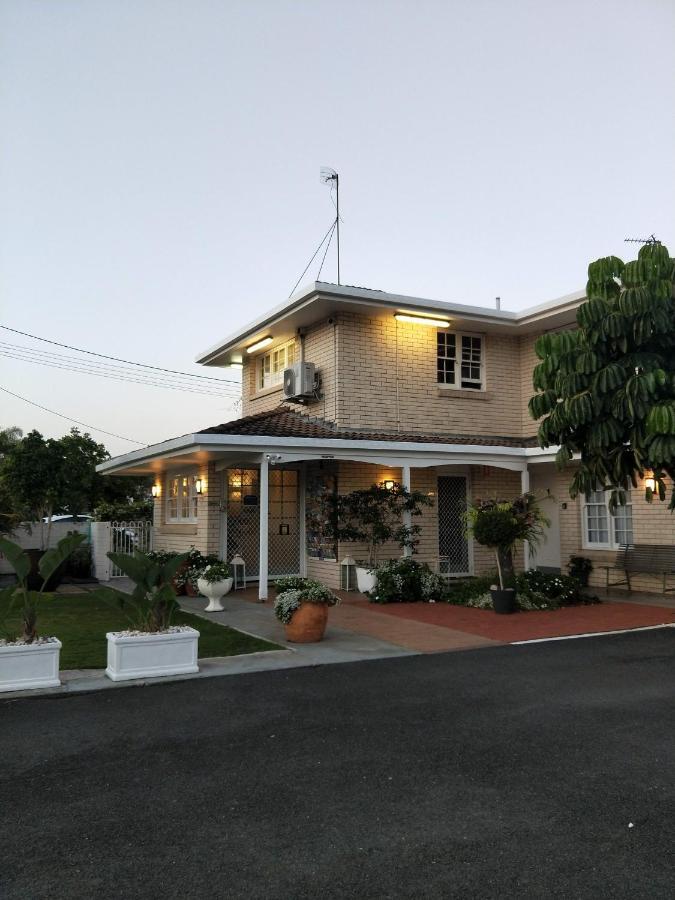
{"points": [[243, 520], [453, 546], [126, 537]]}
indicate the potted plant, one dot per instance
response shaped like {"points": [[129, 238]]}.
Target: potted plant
{"points": [[153, 646], [301, 605], [30, 661], [500, 525], [374, 517], [580, 567], [214, 582]]}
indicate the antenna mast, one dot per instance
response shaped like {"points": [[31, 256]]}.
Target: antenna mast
{"points": [[330, 176]]}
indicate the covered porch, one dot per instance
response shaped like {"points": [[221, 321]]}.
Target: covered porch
{"points": [[258, 495]]}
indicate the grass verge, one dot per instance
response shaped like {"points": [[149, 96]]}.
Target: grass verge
{"points": [[80, 622]]}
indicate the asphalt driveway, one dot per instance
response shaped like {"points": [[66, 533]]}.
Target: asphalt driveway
{"points": [[520, 771]]}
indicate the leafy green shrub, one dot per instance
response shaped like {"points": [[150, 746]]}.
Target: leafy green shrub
{"points": [[539, 590], [465, 592], [290, 598], [407, 581], [215, 572], [292, 583]]}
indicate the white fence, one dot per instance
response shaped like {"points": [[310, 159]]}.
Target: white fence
{"points": [[119, 537], [28, 536]]}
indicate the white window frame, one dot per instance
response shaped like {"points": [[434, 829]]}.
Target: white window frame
{"points": [[187, 491], [611, 543], [269, 366], [457, 385]]}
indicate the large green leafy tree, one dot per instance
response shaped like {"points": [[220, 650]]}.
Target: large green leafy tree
{"points": [[10, 515], [606, 389]]}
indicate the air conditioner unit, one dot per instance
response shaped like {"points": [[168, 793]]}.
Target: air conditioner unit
{"points": [[299, 381]]}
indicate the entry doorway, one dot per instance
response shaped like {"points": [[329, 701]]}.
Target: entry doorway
{"points": [[453, 545], [240, 522], [546, 556]]}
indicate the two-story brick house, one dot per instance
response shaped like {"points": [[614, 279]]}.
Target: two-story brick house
{"points": [[433, 395]]}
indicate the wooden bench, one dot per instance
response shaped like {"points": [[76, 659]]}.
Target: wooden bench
{"points": [[644, 559]]}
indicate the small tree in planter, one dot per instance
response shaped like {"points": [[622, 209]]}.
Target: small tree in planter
{"points": [[152, 646], [301, 605], [580, 567], [500, 525], [374, 517], [30, 661]]}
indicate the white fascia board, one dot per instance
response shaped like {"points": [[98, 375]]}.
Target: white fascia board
{"points": [[367, 297], [317, 448]]}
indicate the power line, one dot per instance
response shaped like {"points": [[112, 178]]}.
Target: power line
{"points": [[112, 376], [332, 226], [70, 419], [104, 370], [117, 359]]}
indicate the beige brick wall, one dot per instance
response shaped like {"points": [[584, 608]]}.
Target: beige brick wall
{"points": [[204, 535], [321, 348], [387, 379], [528, 360]]}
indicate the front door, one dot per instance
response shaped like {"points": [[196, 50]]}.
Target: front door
{"points": [[242, 520], [453, 546]]}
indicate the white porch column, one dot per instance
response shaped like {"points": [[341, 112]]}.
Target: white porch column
{"points": [[264, 528], [407, 516], [524, 488]]}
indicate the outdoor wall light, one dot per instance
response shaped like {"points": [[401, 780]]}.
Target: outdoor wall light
{"points": [[422, 320], [650, 484], [389, 484], [156, 490], [263, 342], [199, 486]]}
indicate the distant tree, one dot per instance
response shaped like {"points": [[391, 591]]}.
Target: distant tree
{"points": [[607, 389], [32, 474], [10, 516]]}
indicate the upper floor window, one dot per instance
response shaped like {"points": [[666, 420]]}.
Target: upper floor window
{"points": [[459, 360], [181, 498], [602, 529], [271, 365]]}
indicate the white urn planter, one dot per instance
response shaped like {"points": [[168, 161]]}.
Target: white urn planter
{"points": [[152, 655], [365, 579], [214, 591], [24, 667]]}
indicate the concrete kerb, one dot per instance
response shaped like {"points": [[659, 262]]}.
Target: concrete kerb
{"points": [[339, 646]]}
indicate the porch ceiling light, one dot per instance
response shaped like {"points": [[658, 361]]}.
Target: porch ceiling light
{"points": [[263, 342], [422, 320]]}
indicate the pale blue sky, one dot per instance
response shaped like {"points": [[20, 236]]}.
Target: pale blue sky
{"points": [[159, 168]]}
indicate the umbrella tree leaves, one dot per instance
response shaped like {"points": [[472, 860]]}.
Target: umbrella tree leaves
{"points": [[605, 391]]}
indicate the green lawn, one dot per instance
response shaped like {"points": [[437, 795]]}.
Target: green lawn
{"points": [[80, 622]]}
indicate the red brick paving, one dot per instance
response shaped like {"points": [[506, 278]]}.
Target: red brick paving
{"points": [[525, 626]]}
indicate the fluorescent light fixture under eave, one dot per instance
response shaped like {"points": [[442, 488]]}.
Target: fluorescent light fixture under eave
{"points": [[263, 342], [422, 320]]}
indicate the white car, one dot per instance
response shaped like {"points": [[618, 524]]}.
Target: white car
{"points": [[69, 518]]}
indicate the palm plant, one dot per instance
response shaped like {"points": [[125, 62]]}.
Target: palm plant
{"points": [[153, 602], [19, 593]]}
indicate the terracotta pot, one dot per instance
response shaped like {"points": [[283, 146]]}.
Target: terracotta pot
{"points": [[191, 590], [308, 623]]}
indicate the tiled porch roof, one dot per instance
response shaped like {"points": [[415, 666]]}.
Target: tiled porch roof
{"points": [[287, 423]]}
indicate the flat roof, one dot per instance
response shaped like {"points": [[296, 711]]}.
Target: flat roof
{"points": [[319, 300]]}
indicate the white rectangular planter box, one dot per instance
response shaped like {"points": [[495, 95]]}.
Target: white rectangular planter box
{"points": [[151, 655], [24, 667]]}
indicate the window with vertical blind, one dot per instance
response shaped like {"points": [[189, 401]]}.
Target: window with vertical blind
{"points": [[181, 498], [459, 360], [271, 365], [603, 530]]}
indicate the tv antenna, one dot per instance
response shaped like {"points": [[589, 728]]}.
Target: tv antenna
{"points": [[652, 239], [330, 176]]}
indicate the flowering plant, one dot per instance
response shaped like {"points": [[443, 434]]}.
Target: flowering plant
{"points": [[300, 590]]}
